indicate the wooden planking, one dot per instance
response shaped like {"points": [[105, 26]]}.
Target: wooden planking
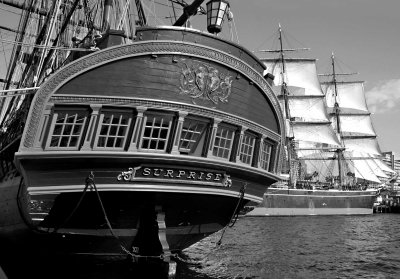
{"points": [[193, 36], [73, 171], [160, 78]]}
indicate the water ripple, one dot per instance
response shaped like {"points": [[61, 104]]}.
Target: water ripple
{"points": [[301, 247]]}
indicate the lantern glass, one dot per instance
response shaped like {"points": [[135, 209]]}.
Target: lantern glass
{"points": [[216, 10]]}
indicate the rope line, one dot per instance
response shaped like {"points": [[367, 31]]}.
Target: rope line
{"points": [[44, 46], [235, 214]]}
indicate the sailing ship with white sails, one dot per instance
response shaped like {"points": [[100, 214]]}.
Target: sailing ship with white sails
{"points": [[332, 153], [124, 139]]}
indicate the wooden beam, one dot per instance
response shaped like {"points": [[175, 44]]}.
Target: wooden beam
{"points": [[188, 11]]}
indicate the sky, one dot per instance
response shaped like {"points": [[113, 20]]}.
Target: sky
{"points": [[363, 34]]}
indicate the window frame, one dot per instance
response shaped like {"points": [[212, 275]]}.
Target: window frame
{"points": [[234, 130], [56, 112], [103, 112], [253, 148], [204, 134], [168, 140], [270, 162]]}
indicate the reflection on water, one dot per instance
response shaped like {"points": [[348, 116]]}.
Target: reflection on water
{"points": [[303, 247]]}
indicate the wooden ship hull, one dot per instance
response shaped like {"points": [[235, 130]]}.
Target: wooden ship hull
{"points": [[143, 149]]}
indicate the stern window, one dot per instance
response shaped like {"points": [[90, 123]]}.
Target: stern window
{"points": [[247, 148], [157, 128], [265, 155], [192, 137], [67, 129], [113, 130], [223, 142]]}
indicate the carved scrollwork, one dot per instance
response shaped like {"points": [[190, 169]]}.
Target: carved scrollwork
{"points": [[227, 182], [202, 81], [126, 175]]}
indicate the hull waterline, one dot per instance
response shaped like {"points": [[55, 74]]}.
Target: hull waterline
{"points": [[296, 202]]}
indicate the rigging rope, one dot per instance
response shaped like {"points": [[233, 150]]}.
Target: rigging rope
{"points": [[44, 46], [90, 184], [4, 50]]}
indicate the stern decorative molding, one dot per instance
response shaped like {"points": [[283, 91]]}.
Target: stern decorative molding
{"points": [[140, 49], [127, 175]]}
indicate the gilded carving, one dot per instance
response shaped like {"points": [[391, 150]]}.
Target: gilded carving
{"points": [[127, 175], [202, 81], [227, 182]]}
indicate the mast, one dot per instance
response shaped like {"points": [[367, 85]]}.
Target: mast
{"points": [[352, 123], [339, 151], [141, 15], [106, 15], [283, 73], [284, 92]]}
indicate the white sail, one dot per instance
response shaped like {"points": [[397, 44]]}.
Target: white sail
{"points": [[308, 109], [313, 123], [362, 170], [329, 168], [366, 145], [383, 166], [350, 96], [314, 132], [301, 73], [376, 169], [354, 125], [306, 100]]}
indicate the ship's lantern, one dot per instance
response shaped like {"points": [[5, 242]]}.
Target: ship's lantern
{"points": [[216, 10]]}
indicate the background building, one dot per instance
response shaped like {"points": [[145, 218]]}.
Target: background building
{"points": [[389, 159]]}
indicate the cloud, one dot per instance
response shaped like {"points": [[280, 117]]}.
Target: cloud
{"points": [[384, 96]]}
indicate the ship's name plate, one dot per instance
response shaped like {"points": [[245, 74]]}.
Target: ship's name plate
{"points": [[141, 173]]}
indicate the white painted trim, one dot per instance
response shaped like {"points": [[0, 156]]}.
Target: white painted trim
{"points": [[141, 188], [317, 196], [270, 212]]}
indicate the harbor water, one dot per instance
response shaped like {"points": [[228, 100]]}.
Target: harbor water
{"points": [[304, 247], [268, 247]]}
